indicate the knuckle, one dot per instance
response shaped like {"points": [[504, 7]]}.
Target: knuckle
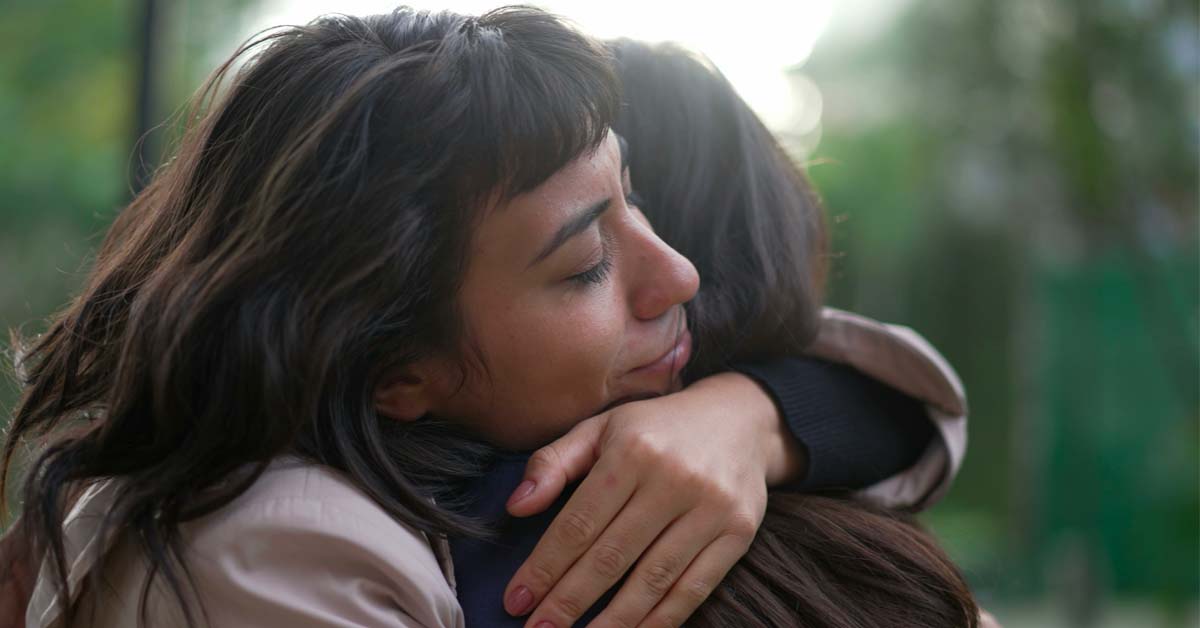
{"points": [[576, 529], [730, 509], [726, 497], [659, 576], [742, 527], [609, 561], [646, 447], [567, 605], [695, 592], [544, 458], [687, 473], [540, 577]]}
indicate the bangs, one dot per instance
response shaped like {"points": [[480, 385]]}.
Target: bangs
{"points": [[538, 97], [469, 111]]}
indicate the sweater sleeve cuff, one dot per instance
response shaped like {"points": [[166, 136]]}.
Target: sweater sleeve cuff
{"points": [[855, 429]]}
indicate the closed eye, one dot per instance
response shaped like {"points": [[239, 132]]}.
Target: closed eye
{"points": [[596, 274]]}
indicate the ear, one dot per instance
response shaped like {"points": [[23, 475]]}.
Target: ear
{"points": [[406, 394]]}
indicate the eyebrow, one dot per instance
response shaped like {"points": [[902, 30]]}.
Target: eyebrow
{"points": [[585, 218], [572, 228]]}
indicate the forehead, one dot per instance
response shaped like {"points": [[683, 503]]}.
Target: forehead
{"points": [[518, 227]]}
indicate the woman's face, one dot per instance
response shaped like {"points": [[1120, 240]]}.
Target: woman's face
{"points": [[573, 303]]}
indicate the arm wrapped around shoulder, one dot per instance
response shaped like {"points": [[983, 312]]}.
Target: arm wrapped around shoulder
{"points": [[902, 359]]}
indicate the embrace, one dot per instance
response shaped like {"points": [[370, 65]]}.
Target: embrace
{"points": [[437, 320]]}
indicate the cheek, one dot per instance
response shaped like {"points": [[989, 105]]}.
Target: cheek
{"points": [[557, 350], [552, 362]]}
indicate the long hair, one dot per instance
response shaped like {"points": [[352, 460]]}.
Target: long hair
{"points": [[307, 237], [720, 189]]}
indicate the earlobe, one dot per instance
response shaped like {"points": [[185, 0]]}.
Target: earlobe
{"points": [[404, 396]]}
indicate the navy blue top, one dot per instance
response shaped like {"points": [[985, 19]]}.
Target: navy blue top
{"points": [[855, 429], [482, 569]]}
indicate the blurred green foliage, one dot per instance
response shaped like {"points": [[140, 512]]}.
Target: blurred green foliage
{"points": [[68, 81], [65, 97], [1017, 180], [64, 93]]}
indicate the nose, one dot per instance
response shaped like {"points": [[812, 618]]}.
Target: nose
{"points": [[662, 278]]}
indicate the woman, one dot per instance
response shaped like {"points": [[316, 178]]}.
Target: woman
{"points": [[310, 262], [710, 174]]}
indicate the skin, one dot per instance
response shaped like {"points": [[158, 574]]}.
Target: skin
{"points": [[584, 343]]}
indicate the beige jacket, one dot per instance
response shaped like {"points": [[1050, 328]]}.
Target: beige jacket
{"points": [[304, 547], [902, 359]]}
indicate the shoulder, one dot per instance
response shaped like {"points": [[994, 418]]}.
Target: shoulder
{"points": [[892, 354], [301, 546], [295, 494], [903, 359], [304, 542]]}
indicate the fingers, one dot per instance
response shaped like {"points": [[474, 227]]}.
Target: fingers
{"points": [[698, 581], [659, 570], [611, 556], [554, 466], [601, 495]]}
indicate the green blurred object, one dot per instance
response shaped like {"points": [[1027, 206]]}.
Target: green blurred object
{"points": [[1121, 418], [1018, 181]]}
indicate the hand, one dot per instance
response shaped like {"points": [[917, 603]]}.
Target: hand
{"points": [[677, 484]]}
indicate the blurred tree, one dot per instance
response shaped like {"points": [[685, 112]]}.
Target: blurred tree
{"points": [[1018, 181], [68, 86]]}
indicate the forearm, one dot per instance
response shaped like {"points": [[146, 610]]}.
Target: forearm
{"points": [[785, 453], [851, 430]]}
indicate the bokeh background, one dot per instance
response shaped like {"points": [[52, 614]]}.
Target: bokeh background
{"points": [[1017, 180]]}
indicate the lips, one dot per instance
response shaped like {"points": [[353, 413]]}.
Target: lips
{"points": [[670, 362]]}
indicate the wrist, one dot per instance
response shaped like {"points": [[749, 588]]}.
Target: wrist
{"points": [[783, 457]]}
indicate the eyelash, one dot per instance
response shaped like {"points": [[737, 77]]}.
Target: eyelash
{"points": [[598, 273]]}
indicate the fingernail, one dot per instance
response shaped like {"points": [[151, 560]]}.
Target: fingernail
{"points": [[524, 489], [519, 601], [544, 624]]}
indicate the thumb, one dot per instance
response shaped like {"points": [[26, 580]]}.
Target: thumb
{"points": [[552, 467]]}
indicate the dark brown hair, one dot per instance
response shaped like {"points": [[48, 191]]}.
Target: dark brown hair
{"points": [[834, 562], [721, 190], [307, 237]]}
